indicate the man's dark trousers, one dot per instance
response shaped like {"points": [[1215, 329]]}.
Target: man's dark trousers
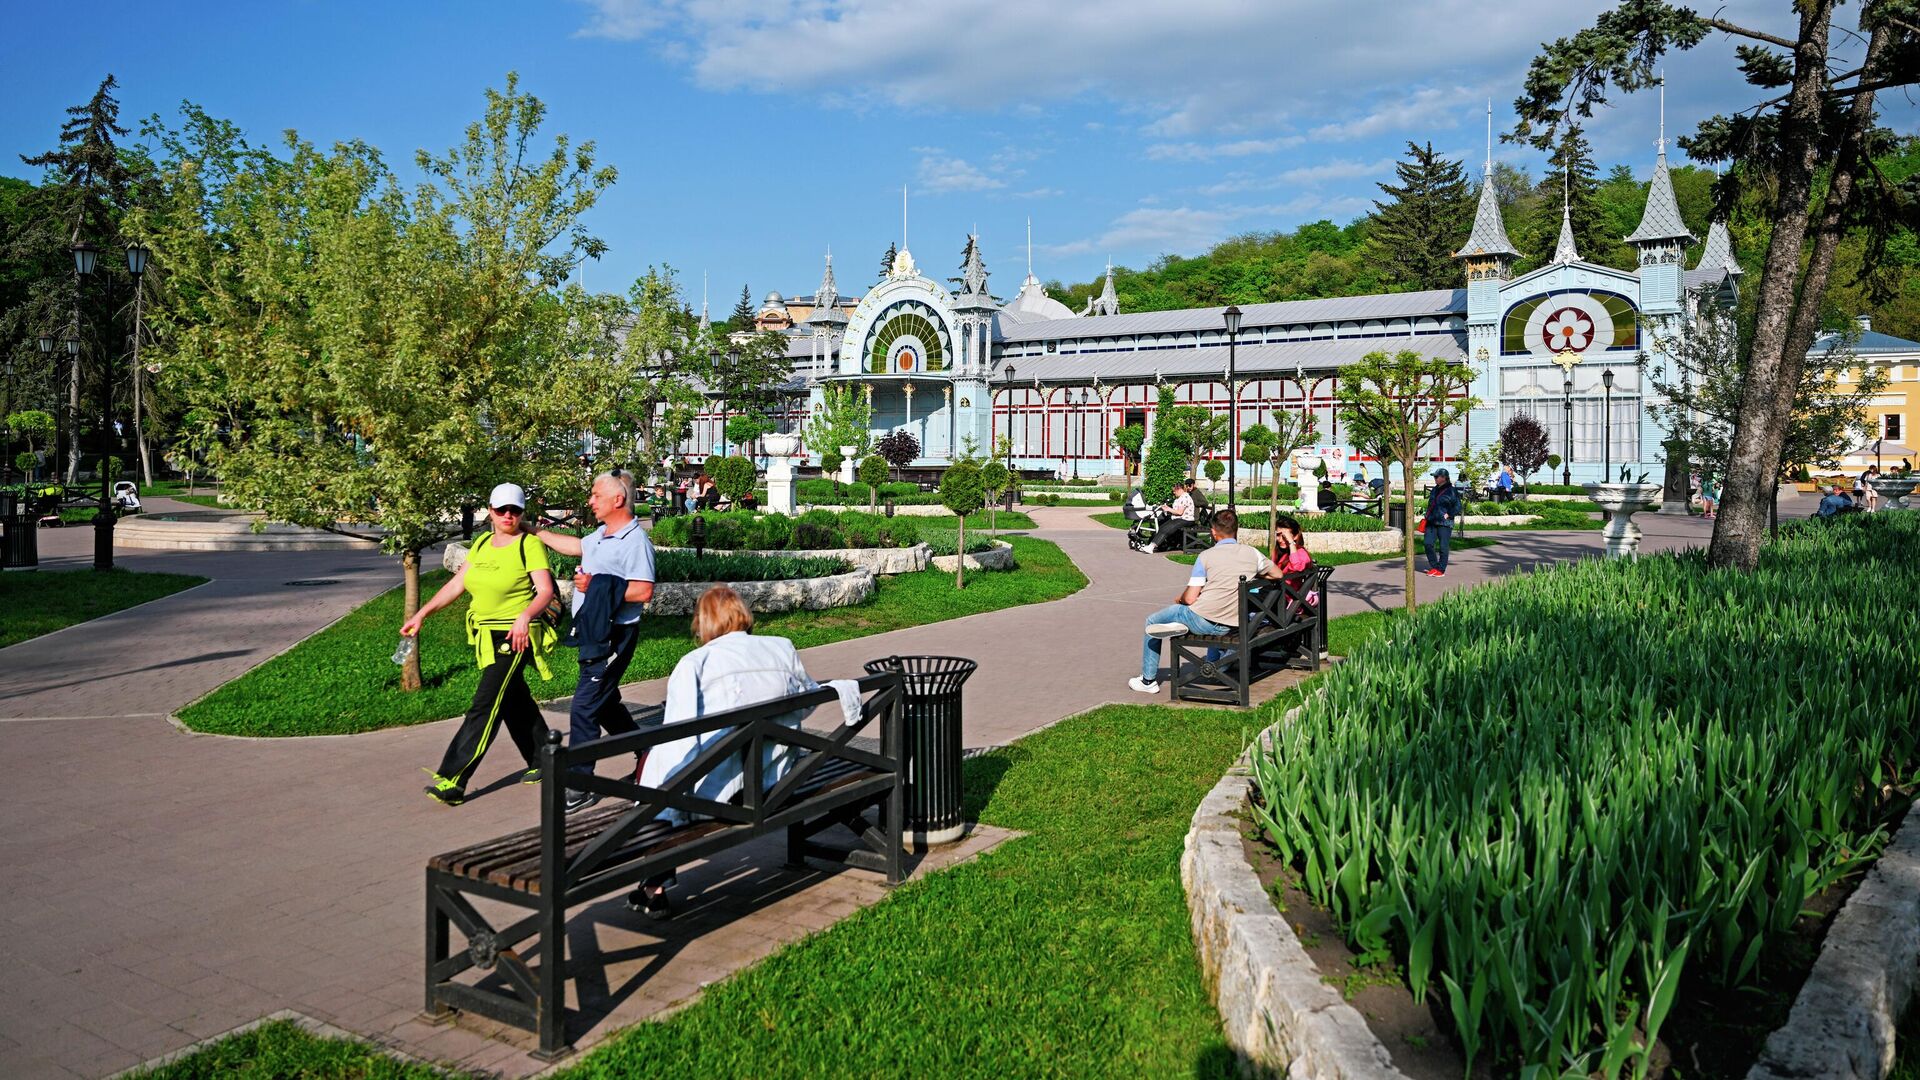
{"points": [[596, 699], [1439, 538]]}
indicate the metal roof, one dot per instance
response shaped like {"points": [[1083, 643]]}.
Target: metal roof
{"points": [[1871, 341], [1211, 360], [1718, 254], [1431, 302], [1489, 235], [1662, 218]]}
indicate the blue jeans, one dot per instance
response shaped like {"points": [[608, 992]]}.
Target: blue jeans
{"points": [[1177, 613], [1439, 538]]}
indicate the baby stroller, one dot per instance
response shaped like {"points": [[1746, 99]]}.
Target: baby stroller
{"points": [[1144, 521]]}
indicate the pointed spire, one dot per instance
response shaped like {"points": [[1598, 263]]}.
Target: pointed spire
{"points": [[1108, 302], [1029, 249], [1489, 235], [705, 323], [1718, 254], [1564, 252], [1661, 223], [973, 272]]}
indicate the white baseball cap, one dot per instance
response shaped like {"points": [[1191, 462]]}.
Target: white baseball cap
{"points": [[508, 495]]}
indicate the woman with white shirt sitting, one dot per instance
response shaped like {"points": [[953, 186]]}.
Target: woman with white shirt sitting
{"points": [[731, 669]]}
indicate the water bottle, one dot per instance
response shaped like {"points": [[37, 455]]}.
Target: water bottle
{"points": [[404, 649]]}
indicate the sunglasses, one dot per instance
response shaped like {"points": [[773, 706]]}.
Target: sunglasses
{"points": [[514, 510]]}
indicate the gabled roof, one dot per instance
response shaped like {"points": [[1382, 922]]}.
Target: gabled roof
{"points": [[1407, 305], [1661, 221], [1718, 254], [1489, 235]]}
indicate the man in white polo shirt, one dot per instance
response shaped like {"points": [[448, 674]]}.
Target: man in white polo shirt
{"points": [[1210, 603], [619, 547]]}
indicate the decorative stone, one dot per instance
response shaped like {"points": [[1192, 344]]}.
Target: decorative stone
{"points": [[811, 594], [847, 464], [1622, 501], [999, 558], [1893, 491], [780, 451]]}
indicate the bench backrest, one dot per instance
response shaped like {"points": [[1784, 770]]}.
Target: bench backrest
{"points": [[751, 730], [1284, 602]]}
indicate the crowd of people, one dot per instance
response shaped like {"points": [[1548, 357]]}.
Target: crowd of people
{"points": [[512, 621]]}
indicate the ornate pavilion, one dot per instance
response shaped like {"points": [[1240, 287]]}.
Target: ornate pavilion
{"points": [[953, 362]]}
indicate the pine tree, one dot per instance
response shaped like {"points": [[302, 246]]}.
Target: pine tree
{"points": [[1415, 234], [741, 321], [886, 261], [1541, 231]]}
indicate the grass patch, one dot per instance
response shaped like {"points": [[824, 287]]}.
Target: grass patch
{"points": [[340, 680], [280, 1049], [42, 601], [1350, 558], [1065, 952]]}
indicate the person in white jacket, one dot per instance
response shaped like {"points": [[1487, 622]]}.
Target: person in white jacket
{"points": [[732, 668]]}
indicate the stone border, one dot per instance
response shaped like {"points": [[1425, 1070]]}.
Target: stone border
{"points": [[788, 594], [906, 560], [1498, 519], [152, 532], [1382, 542], [1844, 1021], [1276, 1012], [899, 510], [999, 558]]}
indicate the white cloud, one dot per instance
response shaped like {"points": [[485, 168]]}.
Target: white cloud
{"points": [[940, 173], [1194, 71], [1341, 169], [1192, 151], [1153, 229]]}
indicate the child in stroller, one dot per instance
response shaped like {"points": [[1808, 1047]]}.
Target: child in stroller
{"points": [[1144, 520]]}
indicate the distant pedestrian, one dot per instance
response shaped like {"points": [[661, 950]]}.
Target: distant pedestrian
{"points": [[1836, 503], [610, 593], [1443, 513], [1503, 484], [507, 577], [1866, 482], [1709, 494]]}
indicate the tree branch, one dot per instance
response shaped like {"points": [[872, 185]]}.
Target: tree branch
{"points": [[1741, 31]]}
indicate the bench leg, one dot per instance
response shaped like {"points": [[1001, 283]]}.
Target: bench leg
{"points": [[896, 830], [796, 847], [553, 977], [438, 943]]}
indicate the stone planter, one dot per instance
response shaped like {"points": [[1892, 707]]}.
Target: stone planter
{"points": [[1384, 542], [1000, 558], [906, 560], [1622, 501], [1498, 519], [1893, 491]]}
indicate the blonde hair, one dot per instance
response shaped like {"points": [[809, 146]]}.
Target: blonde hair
{"points": [[720, 611]]}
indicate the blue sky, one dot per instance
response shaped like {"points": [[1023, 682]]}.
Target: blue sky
{"points": [[753, 135]]}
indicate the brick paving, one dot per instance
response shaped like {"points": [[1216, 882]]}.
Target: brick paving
{"points": [[165, 887]]}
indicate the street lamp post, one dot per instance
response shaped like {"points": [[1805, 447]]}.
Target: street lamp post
{"points": [[138, 255], [6, 464], [86, 260], [1232, 317], [1606, 422], [1566, 460], [1080, 420], [1006, 387]]}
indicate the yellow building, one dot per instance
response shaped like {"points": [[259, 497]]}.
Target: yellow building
{"points": [[1892, 413]]}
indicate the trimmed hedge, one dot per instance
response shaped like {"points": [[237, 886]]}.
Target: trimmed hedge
{"points": [[747, 530], [742, 566]]}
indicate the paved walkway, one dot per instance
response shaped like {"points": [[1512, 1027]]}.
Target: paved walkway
{"points": [[166, 887]]}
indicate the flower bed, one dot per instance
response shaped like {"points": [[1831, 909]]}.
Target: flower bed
{"points": [[746, 530], [825, 492], [1550, 869]]}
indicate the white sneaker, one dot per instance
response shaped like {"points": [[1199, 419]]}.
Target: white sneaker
{"points": [[1167, 629], [1143, 685]]}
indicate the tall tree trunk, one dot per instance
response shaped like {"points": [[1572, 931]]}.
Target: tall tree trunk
{"points": [[410, 569], [960, 557], [1759, 428], [73, 423]]}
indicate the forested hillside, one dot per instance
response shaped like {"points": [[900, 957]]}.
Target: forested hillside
{"points": [[1321, 259]]}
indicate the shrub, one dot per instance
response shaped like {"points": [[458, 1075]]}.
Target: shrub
{"points": [[1215, 469], [740, 566], [738, 530], [872, 472], [897, 448], [963, 492], [1166, 458], [1340, 523], [734, 476], [1554, 866]]}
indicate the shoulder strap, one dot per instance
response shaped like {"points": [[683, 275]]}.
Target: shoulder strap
{"points": [[523, 551]]}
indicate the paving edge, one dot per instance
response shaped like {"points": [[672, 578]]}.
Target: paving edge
{"points": [[317, 1028], [1844, 1020], [1275, 1011]]}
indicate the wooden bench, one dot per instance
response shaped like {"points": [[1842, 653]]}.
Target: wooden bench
{"points": [[616, 845], [1276, 621], [1200, 537]]}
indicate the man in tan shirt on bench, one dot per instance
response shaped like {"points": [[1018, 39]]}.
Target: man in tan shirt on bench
{"points": [[1210, 603]]}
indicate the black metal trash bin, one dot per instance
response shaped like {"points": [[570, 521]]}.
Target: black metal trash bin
{"points": [[1397, 515], [19, 533], [931, 756]]}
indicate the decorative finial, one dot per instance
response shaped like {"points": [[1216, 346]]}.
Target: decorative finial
{"points": [[1029, 247], [1660, 144], [1486, 168]]}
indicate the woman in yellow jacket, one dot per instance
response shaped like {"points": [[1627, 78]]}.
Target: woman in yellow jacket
{"points": [[510, 582]]}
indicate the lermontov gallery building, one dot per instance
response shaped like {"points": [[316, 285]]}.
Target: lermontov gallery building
{"points": [[956, 364]]}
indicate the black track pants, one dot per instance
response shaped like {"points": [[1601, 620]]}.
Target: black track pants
{"points": [[501, 698]]}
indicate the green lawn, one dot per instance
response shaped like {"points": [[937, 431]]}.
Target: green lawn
{"points": [[340, 680], [42, 601], [1063, 952], [1349, 558], [282, 1050]]}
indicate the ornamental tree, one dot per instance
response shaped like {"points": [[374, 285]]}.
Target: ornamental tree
{"points": [[1166, 457], [1129, 440], [995, 478], [873, 473], [379, 355], [962, 491], [1524, 445], [1402, 402], [1256, 448], [899, 448], [734, 476], [843, 418]]}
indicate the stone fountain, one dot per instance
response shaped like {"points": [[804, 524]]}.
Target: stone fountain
{"points": [[1893, 490], [1621, 501]]}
